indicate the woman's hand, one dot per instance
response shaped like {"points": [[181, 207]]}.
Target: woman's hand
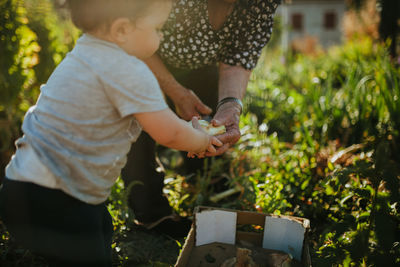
{"points": [[186, 102], [212, 143], [229, 115], [232, 83], [188, 105]]}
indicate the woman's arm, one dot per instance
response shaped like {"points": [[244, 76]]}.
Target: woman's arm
{"points": [[232, 83], [168, 130], [186, 101]]}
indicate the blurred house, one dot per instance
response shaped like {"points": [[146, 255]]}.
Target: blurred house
{"points": [[308, 23]]}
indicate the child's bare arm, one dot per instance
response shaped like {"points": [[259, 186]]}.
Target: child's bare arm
{"points": [[168, 130]]}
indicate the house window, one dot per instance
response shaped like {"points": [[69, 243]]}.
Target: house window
{"points": [[297, 21], [330, 20]]}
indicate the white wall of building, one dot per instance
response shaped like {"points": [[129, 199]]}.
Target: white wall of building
{"points": [[313, 21]]}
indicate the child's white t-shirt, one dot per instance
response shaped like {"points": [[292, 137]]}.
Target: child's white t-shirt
{"points": [[78, 134]]}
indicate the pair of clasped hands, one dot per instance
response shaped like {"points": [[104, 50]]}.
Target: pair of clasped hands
{"points": [[227, 115]]}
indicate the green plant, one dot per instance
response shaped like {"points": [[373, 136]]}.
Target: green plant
{"points": [[362, 226], [18, 50], [33, 40]]}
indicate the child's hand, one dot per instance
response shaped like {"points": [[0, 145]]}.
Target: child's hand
{"points": [[213, 141]]}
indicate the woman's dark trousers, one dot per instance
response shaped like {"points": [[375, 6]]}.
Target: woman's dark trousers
{"points": [[146, 197]]}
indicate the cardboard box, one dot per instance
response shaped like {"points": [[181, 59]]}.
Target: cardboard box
{"points": [[217, 233]]}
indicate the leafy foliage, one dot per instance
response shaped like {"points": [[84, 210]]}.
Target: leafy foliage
{"points": [[320, 140], [18, 50], [33, 40]]}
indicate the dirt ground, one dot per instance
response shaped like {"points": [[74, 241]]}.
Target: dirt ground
{"points": [[138, 247], [132, 247]]}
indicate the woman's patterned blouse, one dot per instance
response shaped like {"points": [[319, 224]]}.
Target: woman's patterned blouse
{"points": [[190, 42]]}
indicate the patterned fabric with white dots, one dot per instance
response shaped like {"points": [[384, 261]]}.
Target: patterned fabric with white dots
{"points": [[190, 42]]}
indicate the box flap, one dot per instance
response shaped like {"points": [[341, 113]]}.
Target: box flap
{"points": [[285, 235], [215, 226]]}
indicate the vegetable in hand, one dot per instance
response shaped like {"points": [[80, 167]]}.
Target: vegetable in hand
{"points": [[210, 129]]}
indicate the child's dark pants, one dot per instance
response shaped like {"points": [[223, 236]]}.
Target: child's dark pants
{"points": [[64, 230]]}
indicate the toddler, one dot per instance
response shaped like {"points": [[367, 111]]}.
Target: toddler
{"points": [[76, 137]]}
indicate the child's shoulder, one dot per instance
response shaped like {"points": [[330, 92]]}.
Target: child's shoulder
{"points": [[90, 46], [107, 58]]}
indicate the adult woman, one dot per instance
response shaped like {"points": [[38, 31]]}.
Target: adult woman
{"points": [[205, 60]]}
